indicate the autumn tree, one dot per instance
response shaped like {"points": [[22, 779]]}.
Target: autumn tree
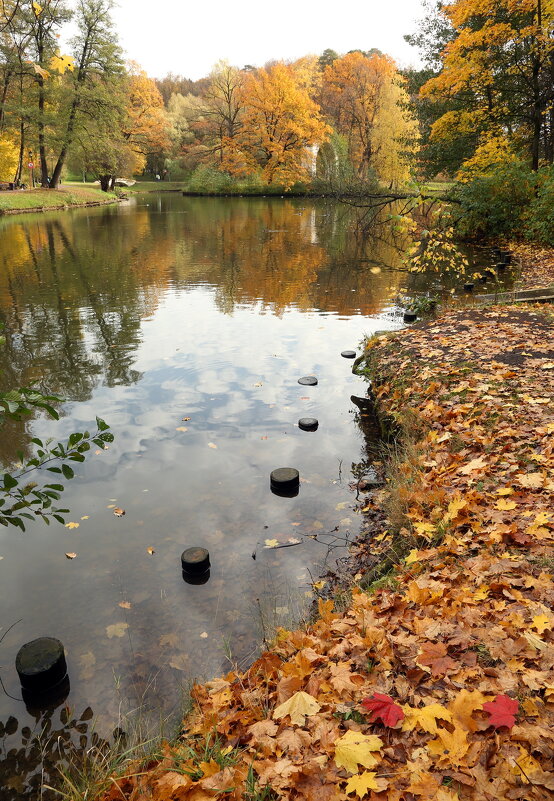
{"points": [[499, 69], [280, 122], [44, 23], [145, 127], [366, 101], [222, 111], [98, 65]]}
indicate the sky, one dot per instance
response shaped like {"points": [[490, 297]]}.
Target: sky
{"points": [[188, 38]]}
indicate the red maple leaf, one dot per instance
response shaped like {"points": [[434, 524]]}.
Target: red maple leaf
{"points": [[383, 707], [502, 711]]}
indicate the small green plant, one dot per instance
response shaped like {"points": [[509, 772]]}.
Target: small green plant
{"points": [[256, 793]]}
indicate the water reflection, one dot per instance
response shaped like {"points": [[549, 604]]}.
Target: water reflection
{"points": [[185, 323]]}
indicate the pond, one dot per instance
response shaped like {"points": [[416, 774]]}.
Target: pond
{"points": [[185, 323]]}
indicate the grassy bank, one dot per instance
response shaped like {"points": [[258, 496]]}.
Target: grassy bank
{"points": [[41, 199], [436, 680]]}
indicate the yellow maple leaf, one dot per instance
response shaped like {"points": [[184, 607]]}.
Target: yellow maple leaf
{"points": [[425, 718], [61, 63], [363, 782], [412, 557], [297, 707], [38, 10], [271, 543], [72, 525], [505, 491], [425, 529], [454, 507], [354, 748], [524, 765], [464, 705], [505, 506], [549, 693], [541, 622], [451, 747]]}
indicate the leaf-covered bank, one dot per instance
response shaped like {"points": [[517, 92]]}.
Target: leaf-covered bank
{"points": [[436, 682]]}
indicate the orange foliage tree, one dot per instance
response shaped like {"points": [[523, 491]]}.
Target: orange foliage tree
{"points": [[365, 98], [280, 122]]}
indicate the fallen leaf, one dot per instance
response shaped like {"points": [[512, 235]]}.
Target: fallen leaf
{"points": [[124, 604], [271, 543], [297, 707], [85, 517], [204, 635], [71, 555], [118, 512], [181, 428], [435, 656], [116, 629], [72, 525], [150, 550], [502, 711], [212, 445], [505, 506], [365, 781], [354, 748], [384, 708]]}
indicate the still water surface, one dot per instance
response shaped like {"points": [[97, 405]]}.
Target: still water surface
{"points": [[161, 309]]}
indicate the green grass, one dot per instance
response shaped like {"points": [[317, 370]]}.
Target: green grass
{"points": [[52, 198]]}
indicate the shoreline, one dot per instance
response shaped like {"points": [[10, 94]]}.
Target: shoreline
{"points": [[456, 635], [63, 199]]}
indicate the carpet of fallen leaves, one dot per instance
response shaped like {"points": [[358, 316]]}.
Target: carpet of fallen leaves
{"points": [[537, 266], [440, 683]]}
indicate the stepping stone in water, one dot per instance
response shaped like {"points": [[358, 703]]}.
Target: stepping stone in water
{"points": [[41, 664], [195, 561], [308, 380], [308, 423]]}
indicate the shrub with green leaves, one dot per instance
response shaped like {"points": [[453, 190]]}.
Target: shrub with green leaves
{"points": [[21, 496], [496, 204]]}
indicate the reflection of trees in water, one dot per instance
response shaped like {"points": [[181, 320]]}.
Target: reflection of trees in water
{"points": [[74, 288], [31, 758]]}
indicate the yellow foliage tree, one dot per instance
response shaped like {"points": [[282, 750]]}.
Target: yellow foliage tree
{"points": [[492, 152], [498, 69], [9, 157]]}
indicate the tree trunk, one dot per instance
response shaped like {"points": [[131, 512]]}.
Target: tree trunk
{"points": [[18, 172], [105, 181]]}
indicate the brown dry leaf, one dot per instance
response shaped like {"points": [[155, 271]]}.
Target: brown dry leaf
{"points": [[125, 604], [118, 512], [71, 555], [434, 655], [150, 550]]}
